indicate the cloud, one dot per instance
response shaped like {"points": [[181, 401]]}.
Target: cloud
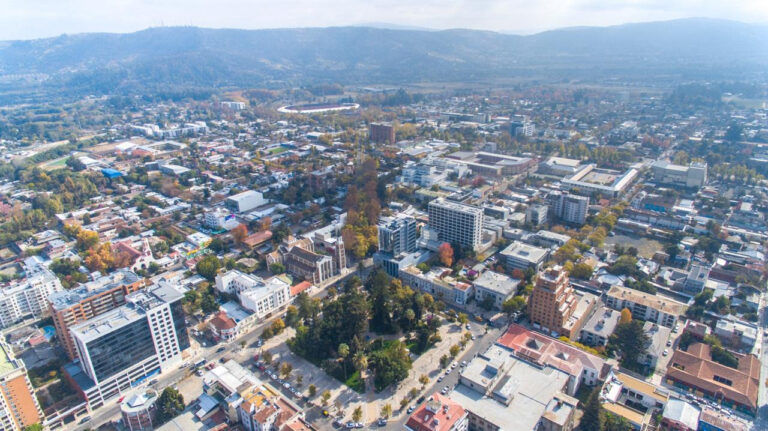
{"points": [[23, 19]]}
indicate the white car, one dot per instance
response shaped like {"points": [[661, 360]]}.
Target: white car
{"points": [[453, 365]]}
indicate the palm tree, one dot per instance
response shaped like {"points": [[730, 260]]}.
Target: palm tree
{"points": [[361, 362], [343, 353]]}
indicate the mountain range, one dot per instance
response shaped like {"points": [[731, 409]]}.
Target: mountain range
{"points": [[191, 57]]}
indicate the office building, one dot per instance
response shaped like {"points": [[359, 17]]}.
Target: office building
{"points": [[120, 348], [590, 180], [245, 201], [536, 215], [88, 301], [645, 306], [457, 223], [568, 208], [397, 235], [256, 294], [28, 297], [522, 256], [439, 413], [692, 176], [492, 164], [18, 404], [494, 288], [382, 133]]}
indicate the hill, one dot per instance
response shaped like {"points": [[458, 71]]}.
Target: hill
{"points": [[190, 57]]}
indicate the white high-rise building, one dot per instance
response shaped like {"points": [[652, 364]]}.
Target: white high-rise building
{"points": [[456, 222], [568, 208], [28, 297]]}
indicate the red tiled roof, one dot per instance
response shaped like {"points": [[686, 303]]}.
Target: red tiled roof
{"points": [[257, 238], [223, 322], [438, 414], [298, 288], [545, 350]]}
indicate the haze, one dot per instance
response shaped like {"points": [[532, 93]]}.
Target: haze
{"points": [[23, 19]]}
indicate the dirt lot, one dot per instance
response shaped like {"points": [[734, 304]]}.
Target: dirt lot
{"points": [[645, 247]]}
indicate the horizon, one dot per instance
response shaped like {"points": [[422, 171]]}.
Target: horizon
{"points": [[28, 22]]}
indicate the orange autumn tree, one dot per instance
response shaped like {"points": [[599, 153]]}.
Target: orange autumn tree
{"points": [[100, 257], [446, 254], [240, 233]]}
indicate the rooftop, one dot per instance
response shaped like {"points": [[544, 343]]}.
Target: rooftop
{"points": [[439, 413], [660, 303]]}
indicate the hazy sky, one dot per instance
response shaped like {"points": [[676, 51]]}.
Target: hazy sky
{"points": [[26, 19]]}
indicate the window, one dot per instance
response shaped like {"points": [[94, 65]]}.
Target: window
{"points": [[723, 380]]}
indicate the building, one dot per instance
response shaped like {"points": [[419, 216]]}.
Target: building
{"points": [[645, 306], [29, 297], [90, 300], [122, 347], [220, 218], [18, 405], [737, 334], [245, 201], [522, 256], [138, 410], [546, 238], [696, 280], [657, 344], [492, 164], [502, 392], [590, 180], [536, 215], [397, 234], [679, 415], [496, 287], [457, 223], [554, 306], [544, 351], [223, 327], [559, 166], [256, 294], [439, 283], [382, 133], [695, 371], [309, 265], [568, 208], [599, 327], [693, 176], [635, 400], [439, 413]]}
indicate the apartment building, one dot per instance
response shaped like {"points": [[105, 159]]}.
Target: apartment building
{"points": [[397, 234], [28, 297], [90, 300], [457, 223], [645, 306], [567, 207], [256, 294], [522, 256], [18, 405]]}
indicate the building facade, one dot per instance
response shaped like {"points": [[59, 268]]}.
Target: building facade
{"points": [[552, 301], [457, 223], [18, 405], [397, 235], [28, 298]]}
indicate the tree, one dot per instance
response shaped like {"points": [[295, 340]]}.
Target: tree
{"points": [[240, 233], [292, 316], [423, 379], [357, 414], [454, 350], [267, 357], [343, 351], [513, 305], [208, 267], [277, 326], [86, 239], [444, 361], [266, 223], [463, 318], [445, 252], [386, 411], [100, 258], [614, 422], [360, 361], [390, 365], [630, 340], [582, 271], [285, 369], [325, 396], [592, 420], [34, 427], [312, 390], [169, 405], [626, 316], [277, 268]]}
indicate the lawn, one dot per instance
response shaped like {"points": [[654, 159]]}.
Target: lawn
{"points": [[355, 383]]}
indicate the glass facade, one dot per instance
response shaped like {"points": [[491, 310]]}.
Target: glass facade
{"points": [[178, 322], [122, 348]]}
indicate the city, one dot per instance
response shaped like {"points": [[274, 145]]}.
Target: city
{"points": [[549, 256]]}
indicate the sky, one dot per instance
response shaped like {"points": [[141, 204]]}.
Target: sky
{"points": [[29, 19]]}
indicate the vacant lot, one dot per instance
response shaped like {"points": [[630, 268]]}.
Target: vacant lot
{"points": [[645, 247]]}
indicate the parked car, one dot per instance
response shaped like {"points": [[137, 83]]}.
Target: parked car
{"points": [[411, 409], [382, 422], [221, 349]]}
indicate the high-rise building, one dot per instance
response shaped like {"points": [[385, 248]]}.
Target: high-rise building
{"points": [[397, 234], [28, 297], [552, 301], [457, 223], [90, 300], [567, 207], [382, 133], [18, 405], [120, 348]]}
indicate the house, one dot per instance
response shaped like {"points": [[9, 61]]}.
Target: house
{"points": [[223, 327]]}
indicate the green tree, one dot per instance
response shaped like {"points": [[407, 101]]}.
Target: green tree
{"points": [[357, 414], [592, 420], [34, 427], [277, 268], [630, 340], [386, 411], [343, 351], [325, 396], [454, 350], [208, 267], [513, 305], [169, 405], [292, 316], [312, 390]]}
